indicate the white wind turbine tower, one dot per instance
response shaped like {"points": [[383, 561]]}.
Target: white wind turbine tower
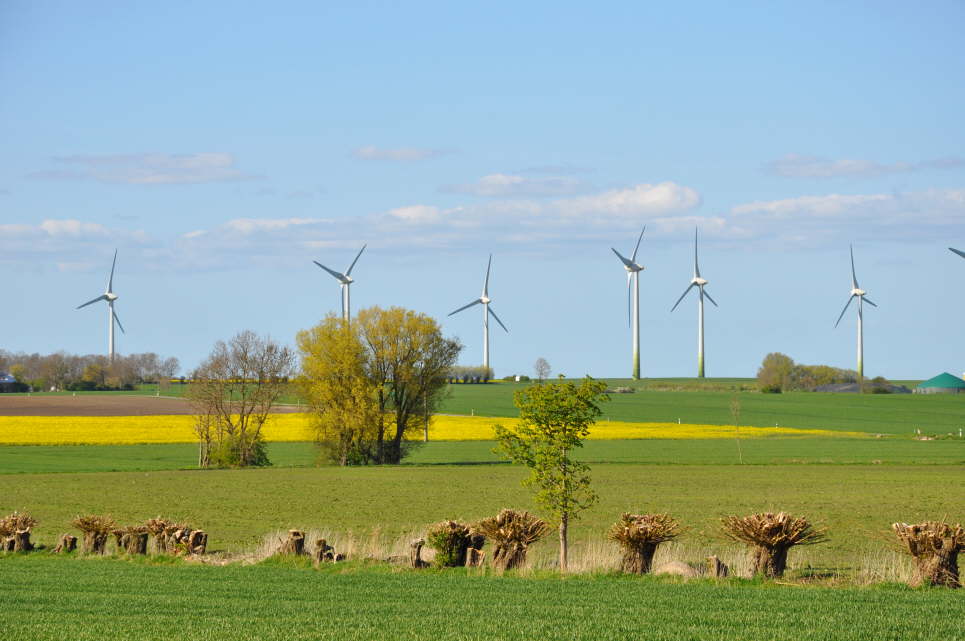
{"points": [[699, 283], [633, 307], [484, 300], [857, 292], [112, 318], [345, 281]]}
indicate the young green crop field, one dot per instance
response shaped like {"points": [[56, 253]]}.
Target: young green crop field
{"points": [[84, 599], [30, 459], [872, 413]]}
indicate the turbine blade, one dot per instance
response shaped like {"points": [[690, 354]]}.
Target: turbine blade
{"points": [[634, 257], [689, 287], [704, 292], [854, 280], [475, 302], [349, 271], [960, 253], [696, 268], [851, 298], [340, 277], [91, 302], [496, 317], [625, 261], [118, 321], [868, 300], [486, 284], [110, 281]]}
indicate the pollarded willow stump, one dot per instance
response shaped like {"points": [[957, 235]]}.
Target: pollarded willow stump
{"points": [[415, 554], [474, 553], [294, 544], [934, 547], [771, 535], [136, 543], [639, 535], [21, 541], [95, 542], [198, 542], [323, 552], [66, 544], [716, 568], [509, 556]]}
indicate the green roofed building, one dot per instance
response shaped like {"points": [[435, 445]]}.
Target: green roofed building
{"points": [[944, 383]]}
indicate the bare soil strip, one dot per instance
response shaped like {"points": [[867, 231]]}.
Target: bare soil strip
{"points": [[101, 405]]}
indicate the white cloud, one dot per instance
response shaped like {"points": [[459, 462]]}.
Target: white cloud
{"points": [[803, 166], [512, 185], [401, 154], [65, 243], [148, 169], [255, 225], [417, 213], [635, 201]]}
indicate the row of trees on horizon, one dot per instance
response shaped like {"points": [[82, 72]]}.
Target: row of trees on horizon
{"points": [[62, 371]]}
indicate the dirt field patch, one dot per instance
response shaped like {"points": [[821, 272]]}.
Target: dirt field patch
{"points": [[99, 405]]}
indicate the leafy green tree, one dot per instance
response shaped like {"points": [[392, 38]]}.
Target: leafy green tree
{"points": [[343, 399], [775, 372], [388, 376], [554, 419]]}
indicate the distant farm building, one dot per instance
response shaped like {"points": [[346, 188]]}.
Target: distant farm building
{"points": [[944, 383], [8, 383]]}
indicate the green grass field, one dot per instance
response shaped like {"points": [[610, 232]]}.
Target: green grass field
{"points": [[238, 507], [30, 459], [872, 413], [110, 599]]}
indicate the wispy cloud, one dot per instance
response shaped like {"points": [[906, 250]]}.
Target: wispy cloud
{"points": [[929, 215], [147, 169], [400, 154], [62, 241], [803, 166], [516, 186]]}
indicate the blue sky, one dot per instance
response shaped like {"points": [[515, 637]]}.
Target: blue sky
{"points": [[222, 149]]}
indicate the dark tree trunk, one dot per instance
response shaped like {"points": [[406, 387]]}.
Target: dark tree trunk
{"points": [[294, 544], [95, 542], [716, 568], [509, 556], [136, 543], [474, 552], [770, 562], [638, 559], [66, 544], [940, 568], [21, 541], [415, 554], [198, 542]]}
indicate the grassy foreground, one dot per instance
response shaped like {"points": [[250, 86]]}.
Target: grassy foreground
{"points": [[50, 598]]}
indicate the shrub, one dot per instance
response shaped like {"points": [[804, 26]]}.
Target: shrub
{"points": [[450, 540], [95, 528]]}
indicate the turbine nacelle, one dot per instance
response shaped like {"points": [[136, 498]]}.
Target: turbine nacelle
{"points": [[858, 292], [110, 297], [700, 282], [485, 300]]}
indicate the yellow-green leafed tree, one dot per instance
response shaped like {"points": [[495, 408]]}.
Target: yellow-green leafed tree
{"points": [[343, 399], [375, 382]]}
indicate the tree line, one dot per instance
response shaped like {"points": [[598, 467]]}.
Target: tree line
{"points": [[63, 371]]}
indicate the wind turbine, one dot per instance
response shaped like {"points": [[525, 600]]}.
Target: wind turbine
{"points": [[110, 297], [699, 283], [957, 251], [484, 300], [345, 281], [633, 308], [857, 292]]}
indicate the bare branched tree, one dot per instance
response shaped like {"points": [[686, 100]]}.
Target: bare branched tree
{"points": [[233, 392]]}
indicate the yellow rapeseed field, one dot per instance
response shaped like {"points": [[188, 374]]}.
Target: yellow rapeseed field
{"points": [[63, 430]]}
